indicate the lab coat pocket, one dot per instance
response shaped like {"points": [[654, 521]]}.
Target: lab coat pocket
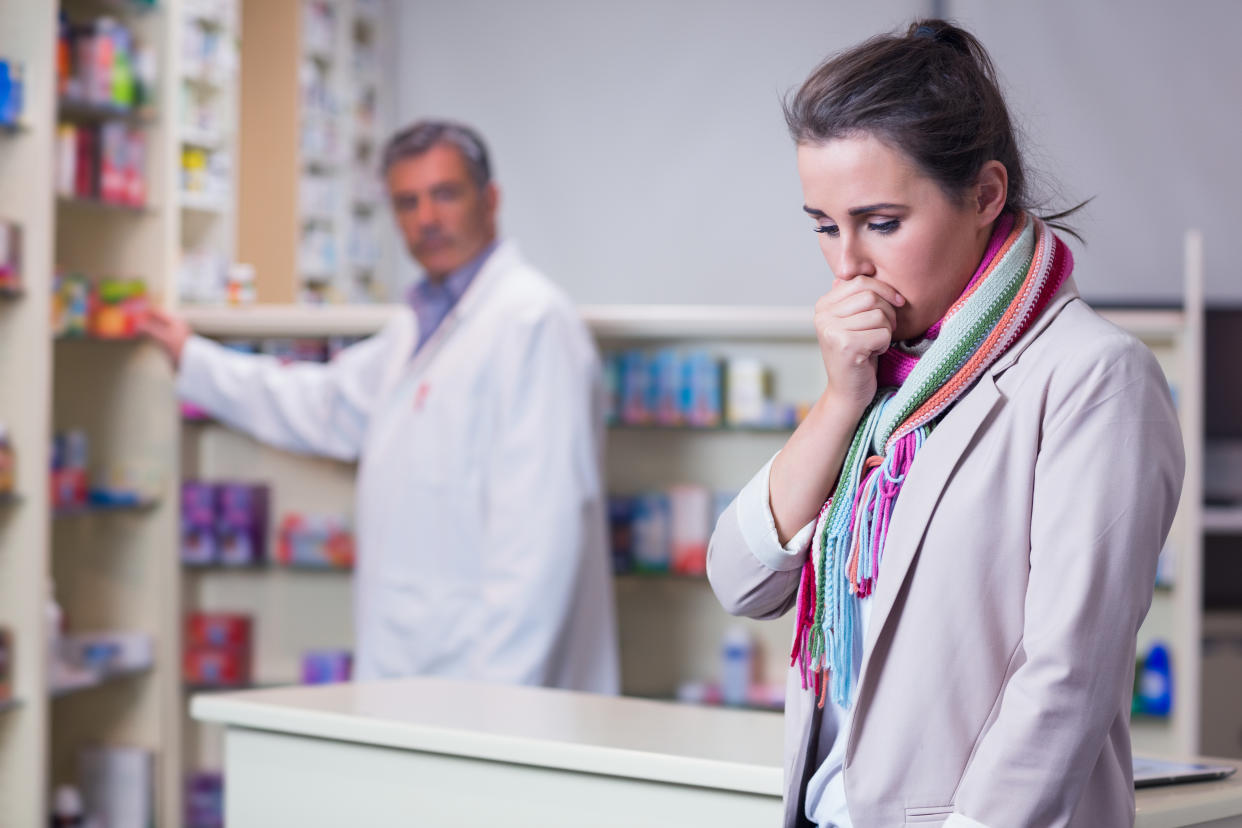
{"points": [[928, 815]]}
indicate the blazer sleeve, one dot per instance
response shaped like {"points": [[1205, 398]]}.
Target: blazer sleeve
{"points": [[300, 406], [1107, 480], [750, 571]]}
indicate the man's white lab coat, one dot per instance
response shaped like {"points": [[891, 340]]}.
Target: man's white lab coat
{"points": [[482, 546]]}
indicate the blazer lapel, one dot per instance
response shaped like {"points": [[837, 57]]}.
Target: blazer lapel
{"points": [[932, 469], [936, 462]]}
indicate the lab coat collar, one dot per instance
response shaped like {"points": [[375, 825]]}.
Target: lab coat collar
{"points": [[505, 257]]}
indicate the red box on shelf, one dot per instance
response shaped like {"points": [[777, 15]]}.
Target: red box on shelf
{"points": [[217, 666], [221, 630]]}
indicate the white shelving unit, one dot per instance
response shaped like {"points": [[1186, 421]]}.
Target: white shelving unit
{"points": [[112, 568], [206, 53], [1222, 520], [1176, 614], [313, 115], [27, 36]]}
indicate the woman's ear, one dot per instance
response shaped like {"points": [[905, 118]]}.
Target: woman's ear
{"points": [[991, 191]]}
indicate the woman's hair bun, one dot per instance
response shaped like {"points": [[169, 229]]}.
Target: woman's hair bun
{"points": [[941, 31]]}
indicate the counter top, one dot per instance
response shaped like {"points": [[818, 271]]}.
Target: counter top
{"points": [[735, 750], [1171, 806]]}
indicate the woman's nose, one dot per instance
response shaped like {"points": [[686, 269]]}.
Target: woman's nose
{"points": [[851, 260]]}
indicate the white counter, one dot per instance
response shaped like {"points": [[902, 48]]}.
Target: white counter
{"points": [[437, 752]]}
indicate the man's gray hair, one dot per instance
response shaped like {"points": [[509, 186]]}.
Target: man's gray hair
{"points": [[421, 136]]}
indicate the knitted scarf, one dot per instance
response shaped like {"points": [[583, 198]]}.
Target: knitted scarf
{"points": [[1023, 266]]}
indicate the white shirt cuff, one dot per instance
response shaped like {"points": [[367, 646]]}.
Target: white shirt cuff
{"points": [[754, 514], [192, 371], [960, 821]]}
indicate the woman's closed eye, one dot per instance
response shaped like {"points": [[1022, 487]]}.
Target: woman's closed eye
{"points": [[883, 227]]}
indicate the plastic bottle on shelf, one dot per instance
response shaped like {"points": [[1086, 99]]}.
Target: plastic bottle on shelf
{"points": [[67, 808], [1156, 684], [53, 619], [8, 462], [737, 664], [122, 71], [99, 85], [144, 75]]}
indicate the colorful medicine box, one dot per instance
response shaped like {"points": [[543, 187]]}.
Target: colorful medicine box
{"points": [[241, 523], [198, 523]]}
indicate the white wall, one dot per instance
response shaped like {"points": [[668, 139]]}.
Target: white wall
{"points": [[643, 158], [640, 145], [1138, 104]]}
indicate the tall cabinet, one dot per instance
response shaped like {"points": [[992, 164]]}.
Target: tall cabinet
{"points": [[91, 176], [312, 116], [27, 38]]}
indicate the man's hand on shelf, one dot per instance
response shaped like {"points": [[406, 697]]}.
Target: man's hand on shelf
{"points": [[168, 330]]}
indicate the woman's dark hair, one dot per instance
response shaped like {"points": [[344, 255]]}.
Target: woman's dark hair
{"points": [[931, 94]]}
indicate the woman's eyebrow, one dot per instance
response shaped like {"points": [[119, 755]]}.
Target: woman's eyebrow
{"points": [[875, 208]]}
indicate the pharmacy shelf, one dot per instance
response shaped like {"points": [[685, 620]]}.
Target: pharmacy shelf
{"points": [[201, 138], [194, 687], [258, 321], [60, 691], [640, 575], [690, 322], [690, 429], [211, 82], [119, 7], [10, 295], [9, 499], [203, 202], [267, 566], [653, 322], [1165, 325], [104, 509], [27, 37], [1222, 520], [90, 339], [95, 204], [83, 112]]}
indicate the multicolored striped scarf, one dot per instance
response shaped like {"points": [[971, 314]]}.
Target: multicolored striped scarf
{"points": [[1023, 266]]}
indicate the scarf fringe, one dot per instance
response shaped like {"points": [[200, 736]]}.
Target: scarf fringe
{"points": [[1024, 266]]}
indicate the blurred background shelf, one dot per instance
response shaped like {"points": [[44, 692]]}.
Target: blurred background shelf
{"points": [[1223, 520], [69, 688]]}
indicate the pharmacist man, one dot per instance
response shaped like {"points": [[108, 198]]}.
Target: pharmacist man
{"points": [[474, 416]]}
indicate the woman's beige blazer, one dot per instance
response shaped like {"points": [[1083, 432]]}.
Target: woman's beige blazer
{"points": [[998, 665]]}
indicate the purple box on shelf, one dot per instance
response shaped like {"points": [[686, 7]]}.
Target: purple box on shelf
{"points": [[241, 523], [204, 800], [198, 523], [621, 531], [326, 666]]}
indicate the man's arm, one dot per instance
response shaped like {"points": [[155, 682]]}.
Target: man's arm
{"points": [[302, 407]]}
